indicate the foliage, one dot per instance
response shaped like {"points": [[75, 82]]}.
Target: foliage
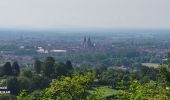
{"points": [[99, 69], [50, 59], [69, 65], [48, 68], [39, 82], [61, 69], [150, 72], [7, 97], [24, 82], [146, 91], [37, 66], [7, 69], [56, 81], [104, 91], [27, 73], [65, 88], [36, 95], [12, 85], [112, 77], [74, 87], [15, 68]]}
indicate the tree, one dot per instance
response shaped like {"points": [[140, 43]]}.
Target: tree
{"points": [[7, 97], [27, 73], [168, 56], [37, 66], [69, 65], [165, 70], [72, 88], [50, 59], [65, 88], [13, 85], [146, 91], [48, 67], [60, 70], [24, 83], [15, 68], [39, 82], [7, 68], [99, 69]]}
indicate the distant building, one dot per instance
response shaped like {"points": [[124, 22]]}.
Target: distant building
{"points": [[87, 43], [22, 47], [41, 50], [58, 51]]}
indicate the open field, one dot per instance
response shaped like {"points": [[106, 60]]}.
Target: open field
{"points": [[104, 91], [155, 65]]}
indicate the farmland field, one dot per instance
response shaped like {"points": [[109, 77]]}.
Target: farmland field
{"points": [[155, 65], [104, 91]]}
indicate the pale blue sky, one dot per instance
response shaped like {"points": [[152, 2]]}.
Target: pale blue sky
{"points": [[85, 13]]}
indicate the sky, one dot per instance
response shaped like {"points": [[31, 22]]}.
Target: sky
{"points": [[85, 13]]}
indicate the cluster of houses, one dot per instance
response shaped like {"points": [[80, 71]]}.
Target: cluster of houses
{"points": [[42, 50]]}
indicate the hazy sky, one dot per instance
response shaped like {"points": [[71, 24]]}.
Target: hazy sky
{"points": [[85, 13]]}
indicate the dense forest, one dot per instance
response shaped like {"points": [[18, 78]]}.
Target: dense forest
{"points": [[52, 80]]}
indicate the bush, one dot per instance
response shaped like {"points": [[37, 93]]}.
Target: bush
{"points": [[7, 97]]}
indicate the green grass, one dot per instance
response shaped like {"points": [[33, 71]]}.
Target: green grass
{"points": [[105, 91]]}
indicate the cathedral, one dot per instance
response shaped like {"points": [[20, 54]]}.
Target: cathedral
{"points": [[87, 43]]}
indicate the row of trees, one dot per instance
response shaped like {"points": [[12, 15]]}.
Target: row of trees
{"points": [[50, 80], [50, 69], [8, 69], [35, 78], [74, 87], [157, 88]]}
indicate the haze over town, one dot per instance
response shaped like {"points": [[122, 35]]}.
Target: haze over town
{"points": [[84, 13]]}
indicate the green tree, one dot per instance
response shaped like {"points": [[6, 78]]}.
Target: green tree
{"points": [[99, 69], [61, 70], [74, 87], [37, 66], [48, 68], [39, 82], [7, 97], [35, 95], [24, 83], [168, 56], [165, 70], [147, 91], [7, 69], [27, 73], [66, 88], [15, 68], [50, 59], [69, 65], [13, 85]]}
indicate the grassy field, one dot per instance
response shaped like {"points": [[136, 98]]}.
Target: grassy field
{"points": [[155, 65], [105, 91]]}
